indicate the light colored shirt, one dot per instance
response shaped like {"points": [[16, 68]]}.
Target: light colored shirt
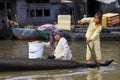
{"points": [[62, 49], [92, 31]]}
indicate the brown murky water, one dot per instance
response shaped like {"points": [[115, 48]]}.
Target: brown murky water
{"points": [[19, 48]]}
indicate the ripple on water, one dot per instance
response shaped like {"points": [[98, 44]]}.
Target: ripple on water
{"points": [[79, 72]]}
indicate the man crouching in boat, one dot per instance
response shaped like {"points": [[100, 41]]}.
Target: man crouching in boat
{"points": [[60, 44]]}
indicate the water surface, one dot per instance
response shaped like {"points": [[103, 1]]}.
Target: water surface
{"points": [[19, 48]]}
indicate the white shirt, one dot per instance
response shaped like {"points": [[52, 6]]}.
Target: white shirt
{"points": [[62, 49], [93, 32]]}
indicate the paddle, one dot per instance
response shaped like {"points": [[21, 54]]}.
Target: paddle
{"points": [[93, 55]]}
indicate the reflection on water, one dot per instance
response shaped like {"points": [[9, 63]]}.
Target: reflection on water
{"points": [[19, 48], [75, 74], [94, 75]]}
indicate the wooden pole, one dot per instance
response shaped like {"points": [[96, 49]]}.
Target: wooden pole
{"points": [[6, 18], [73, 16], [85, 5]]}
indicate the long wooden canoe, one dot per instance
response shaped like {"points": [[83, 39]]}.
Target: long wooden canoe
{"points": [[44, 64]]}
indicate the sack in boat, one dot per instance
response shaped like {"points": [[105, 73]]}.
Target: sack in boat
{"points": [[35, 50]]}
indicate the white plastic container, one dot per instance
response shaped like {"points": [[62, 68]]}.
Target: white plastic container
{"points": [[35, 50]]}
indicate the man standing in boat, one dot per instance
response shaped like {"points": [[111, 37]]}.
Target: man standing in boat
{"points": [[92, 36]]}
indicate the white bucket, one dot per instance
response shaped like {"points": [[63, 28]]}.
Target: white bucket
{"points": [[35, 50]]}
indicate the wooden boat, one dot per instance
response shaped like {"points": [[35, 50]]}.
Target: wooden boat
{"points": [[22, 33], [43, 64]]}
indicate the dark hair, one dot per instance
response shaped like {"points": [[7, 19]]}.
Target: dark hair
{"points": [[99, 14], [56, 31]]}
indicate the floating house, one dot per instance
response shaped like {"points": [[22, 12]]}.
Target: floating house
{"points": [[39, 12]]}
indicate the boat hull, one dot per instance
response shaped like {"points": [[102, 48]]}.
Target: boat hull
{"points": [[44, 64], [27, 34]]}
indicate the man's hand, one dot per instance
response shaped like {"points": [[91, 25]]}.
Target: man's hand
{"points": [[88, 41], [79, 22], [60, 58], [57, 58]]}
